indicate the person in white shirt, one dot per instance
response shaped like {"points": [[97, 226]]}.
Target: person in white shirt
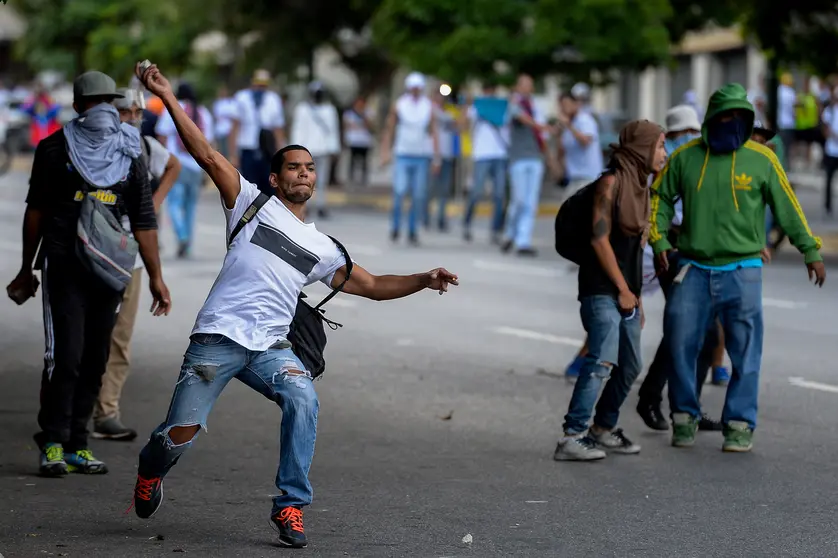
{"points": [[786, 121], [412, 123], [183, 200], [316, 124], [224, 110], [830, 149], [258, 130], [243, 329], [358, 137], [163, 169], [441, 184], [580, 141], [489, 144]]}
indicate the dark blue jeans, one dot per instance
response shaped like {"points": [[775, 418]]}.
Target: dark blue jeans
{"points": [[613, 355], [256, 168], [209, 364], [735, 297], [495, 171]]}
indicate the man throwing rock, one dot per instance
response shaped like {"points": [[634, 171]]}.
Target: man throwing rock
{"points": [[241, 332]]}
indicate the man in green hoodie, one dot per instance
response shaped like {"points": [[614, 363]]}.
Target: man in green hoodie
{"points": [[725, 181]]}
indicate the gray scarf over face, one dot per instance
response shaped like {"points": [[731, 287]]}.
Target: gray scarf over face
{"points": [[100, 147]]}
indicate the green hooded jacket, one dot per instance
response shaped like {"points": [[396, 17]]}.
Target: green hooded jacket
{"points": [[724, 197]]}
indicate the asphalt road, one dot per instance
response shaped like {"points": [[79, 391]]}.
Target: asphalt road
{"points": [[439, 417]]}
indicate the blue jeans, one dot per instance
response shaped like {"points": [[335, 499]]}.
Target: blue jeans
{"points": [[613, 354], [256, 168], [183, 203], [210, 362], [735, 297], [441, 186], [410, 175], [526, 177], [495, 170]]}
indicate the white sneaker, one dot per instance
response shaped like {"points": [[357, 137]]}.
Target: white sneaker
{"points": [[578, 448], [616, 441]]}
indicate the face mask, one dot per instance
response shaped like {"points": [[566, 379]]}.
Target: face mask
{"points": [[726, 137], [671, 144]]}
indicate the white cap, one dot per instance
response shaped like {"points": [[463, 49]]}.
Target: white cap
{"points": [[414, 80], [130, 98], [682, 117], [580, 91]]}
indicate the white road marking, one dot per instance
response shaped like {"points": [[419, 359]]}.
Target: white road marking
{"points": [[537, 336], [535, 271], [405, 342], [784, 304], [800, 382], [536, 502]]}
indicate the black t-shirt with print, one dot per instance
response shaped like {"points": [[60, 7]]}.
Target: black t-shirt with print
{"points": [[55, 187]]}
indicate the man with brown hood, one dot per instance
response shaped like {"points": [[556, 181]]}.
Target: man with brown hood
{"points": [[610, 281]]}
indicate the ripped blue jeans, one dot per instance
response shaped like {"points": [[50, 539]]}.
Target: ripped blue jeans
{"points": [[613, 355], [210, 362]]}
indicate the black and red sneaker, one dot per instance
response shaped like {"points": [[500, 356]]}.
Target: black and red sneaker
{"points": [[148, 496], [289, 521]]}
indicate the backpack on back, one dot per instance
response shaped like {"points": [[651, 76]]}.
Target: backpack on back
{"points": [[574, 224]]}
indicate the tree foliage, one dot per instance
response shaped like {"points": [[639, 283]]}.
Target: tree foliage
{"points": [[457, 40], [108, 35]]}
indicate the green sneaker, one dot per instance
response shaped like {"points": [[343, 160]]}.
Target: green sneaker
{"points": [[738, 437], [82, 461], [52, 461], [684, 428]]}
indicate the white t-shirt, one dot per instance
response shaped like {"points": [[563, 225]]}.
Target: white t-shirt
{"points": [[316, 127], [166, 127], [270, 116], [224, 111], [413, 138], [355, 131], [583, 162], [830, 119], [158, 158], [487, 141], [274, 256], [786, 98]]}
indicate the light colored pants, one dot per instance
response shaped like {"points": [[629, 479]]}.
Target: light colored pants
{"points": [[525, 177], [119, 361], [323, 166]]}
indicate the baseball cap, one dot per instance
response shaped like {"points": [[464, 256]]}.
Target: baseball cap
{"points": [[95, 84], [414, 80], [763, 131], [682, 117], [580, 91], [130, 97], [261, 77]]}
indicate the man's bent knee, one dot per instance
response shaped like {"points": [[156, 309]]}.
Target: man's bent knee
{"points": [[180, 435]]}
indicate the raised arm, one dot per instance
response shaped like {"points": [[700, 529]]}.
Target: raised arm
{"points": [[221, 171]]}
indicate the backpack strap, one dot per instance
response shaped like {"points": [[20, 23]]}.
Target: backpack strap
{"points": [[248, 216], [349, 267]]}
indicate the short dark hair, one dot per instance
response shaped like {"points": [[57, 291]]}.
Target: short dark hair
{"points": [[279, 157]]}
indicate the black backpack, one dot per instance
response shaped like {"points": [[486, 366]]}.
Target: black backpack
{"points": [[574, 224], [306, 332]]}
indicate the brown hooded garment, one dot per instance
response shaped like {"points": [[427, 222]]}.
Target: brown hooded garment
{"points": [[634, 157]]}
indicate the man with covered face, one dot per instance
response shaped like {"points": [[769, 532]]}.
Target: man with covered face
{"points": [[163, 169], [725, 180]]}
